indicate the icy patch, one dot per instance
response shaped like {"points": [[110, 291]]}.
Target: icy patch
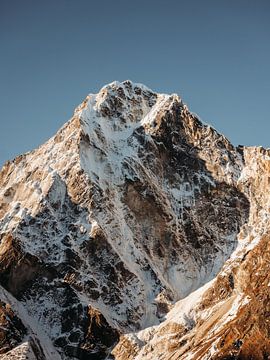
{"points": [[184, 310]]}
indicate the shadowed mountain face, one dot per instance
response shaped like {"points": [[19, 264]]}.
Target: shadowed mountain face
{"points": [[135, 232]]}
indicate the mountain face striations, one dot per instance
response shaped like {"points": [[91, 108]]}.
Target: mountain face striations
{"points": [[136, 232]]}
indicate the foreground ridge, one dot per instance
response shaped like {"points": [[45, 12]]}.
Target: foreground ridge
{"points": [[136, 232]]}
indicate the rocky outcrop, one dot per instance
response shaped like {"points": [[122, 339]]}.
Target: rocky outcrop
{"points": [[131, 233], [12, 329]]}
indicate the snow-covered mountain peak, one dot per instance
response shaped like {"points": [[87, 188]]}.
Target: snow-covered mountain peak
{"points": [[133, 205], [124, 103], [128, 87]]}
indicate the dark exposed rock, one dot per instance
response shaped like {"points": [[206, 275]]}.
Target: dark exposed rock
{"points": [[12, 330]]}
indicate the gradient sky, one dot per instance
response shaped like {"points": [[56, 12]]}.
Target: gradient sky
{"points": [[214, 53]]}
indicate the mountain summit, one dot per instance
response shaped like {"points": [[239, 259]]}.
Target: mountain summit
{"points": [[136, 232]]}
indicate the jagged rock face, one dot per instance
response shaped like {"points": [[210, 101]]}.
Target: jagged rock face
{"points": [[12, 329], [227, 318], [132, 206]]}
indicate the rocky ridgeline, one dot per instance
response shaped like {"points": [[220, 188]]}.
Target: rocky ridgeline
{"points": [[137, 231]]}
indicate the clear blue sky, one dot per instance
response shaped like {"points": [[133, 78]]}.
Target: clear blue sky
{"points": [[214, 53]]}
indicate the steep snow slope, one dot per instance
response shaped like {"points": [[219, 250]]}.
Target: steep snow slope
{"points": [[132, 206]]}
